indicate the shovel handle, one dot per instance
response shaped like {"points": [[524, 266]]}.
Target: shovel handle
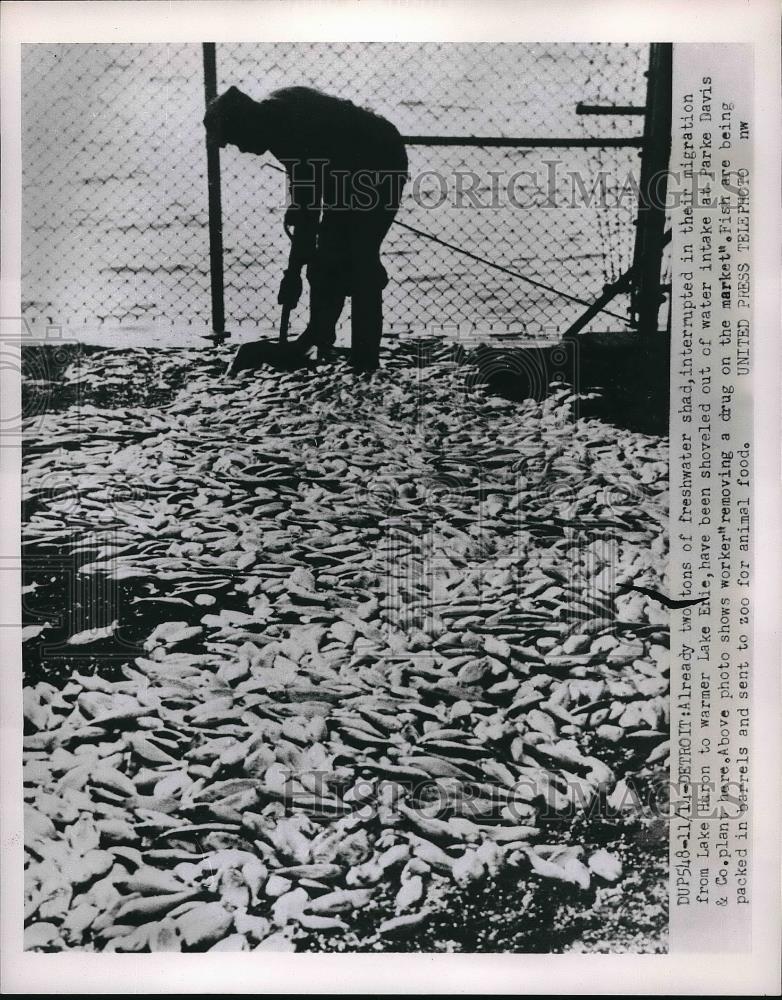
{"points": [[284, 323]]}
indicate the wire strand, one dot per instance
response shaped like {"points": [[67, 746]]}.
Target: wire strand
{"points": [[506, 270]]}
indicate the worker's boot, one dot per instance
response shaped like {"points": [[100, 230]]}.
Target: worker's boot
{"points": [[366, 322], [325, 310]]}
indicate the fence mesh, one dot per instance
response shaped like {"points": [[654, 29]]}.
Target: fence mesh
{"points": [[115, 220], [114, 190]]}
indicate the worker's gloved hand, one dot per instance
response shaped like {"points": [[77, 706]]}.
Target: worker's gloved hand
{"points": [[290, 288]]}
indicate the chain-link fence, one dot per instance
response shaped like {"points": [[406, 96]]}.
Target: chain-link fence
{"points": [[115, 221], [114, 184]]}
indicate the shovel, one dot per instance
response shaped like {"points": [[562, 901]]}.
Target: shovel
{"points": [[265, 351]]}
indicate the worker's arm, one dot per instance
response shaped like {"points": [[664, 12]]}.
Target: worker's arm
{"points": [[301, 224], [305, 186]]}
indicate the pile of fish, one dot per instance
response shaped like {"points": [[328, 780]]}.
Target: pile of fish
{"points": [[384, 645]]}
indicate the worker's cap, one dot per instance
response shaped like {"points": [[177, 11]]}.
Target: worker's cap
{"points": [[227, 115]]}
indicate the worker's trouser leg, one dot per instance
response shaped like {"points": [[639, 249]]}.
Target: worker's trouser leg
{"points": [[326, 306], [368, 279], [366, 323], [347, 262]]}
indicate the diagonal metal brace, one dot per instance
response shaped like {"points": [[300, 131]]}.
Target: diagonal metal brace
{"points": [[622, 284]]}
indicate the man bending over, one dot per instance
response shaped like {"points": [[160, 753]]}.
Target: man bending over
{"points": [[346, 168]]}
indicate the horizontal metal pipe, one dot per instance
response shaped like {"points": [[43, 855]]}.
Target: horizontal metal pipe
{"points": [[498, 140], [610, 109]]}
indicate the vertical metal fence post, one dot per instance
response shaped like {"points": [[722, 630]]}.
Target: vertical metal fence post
{"points": [[215, 202], [649, 238]]}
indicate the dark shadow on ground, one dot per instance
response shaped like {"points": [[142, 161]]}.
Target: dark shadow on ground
{"points": [[628, 374], [518, 912], [48, 386]]}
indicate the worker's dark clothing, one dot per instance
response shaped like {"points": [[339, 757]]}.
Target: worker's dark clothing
{"points": [[346, 168]]}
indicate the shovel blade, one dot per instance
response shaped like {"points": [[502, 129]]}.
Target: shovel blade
{"points": [[266, 352]]}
